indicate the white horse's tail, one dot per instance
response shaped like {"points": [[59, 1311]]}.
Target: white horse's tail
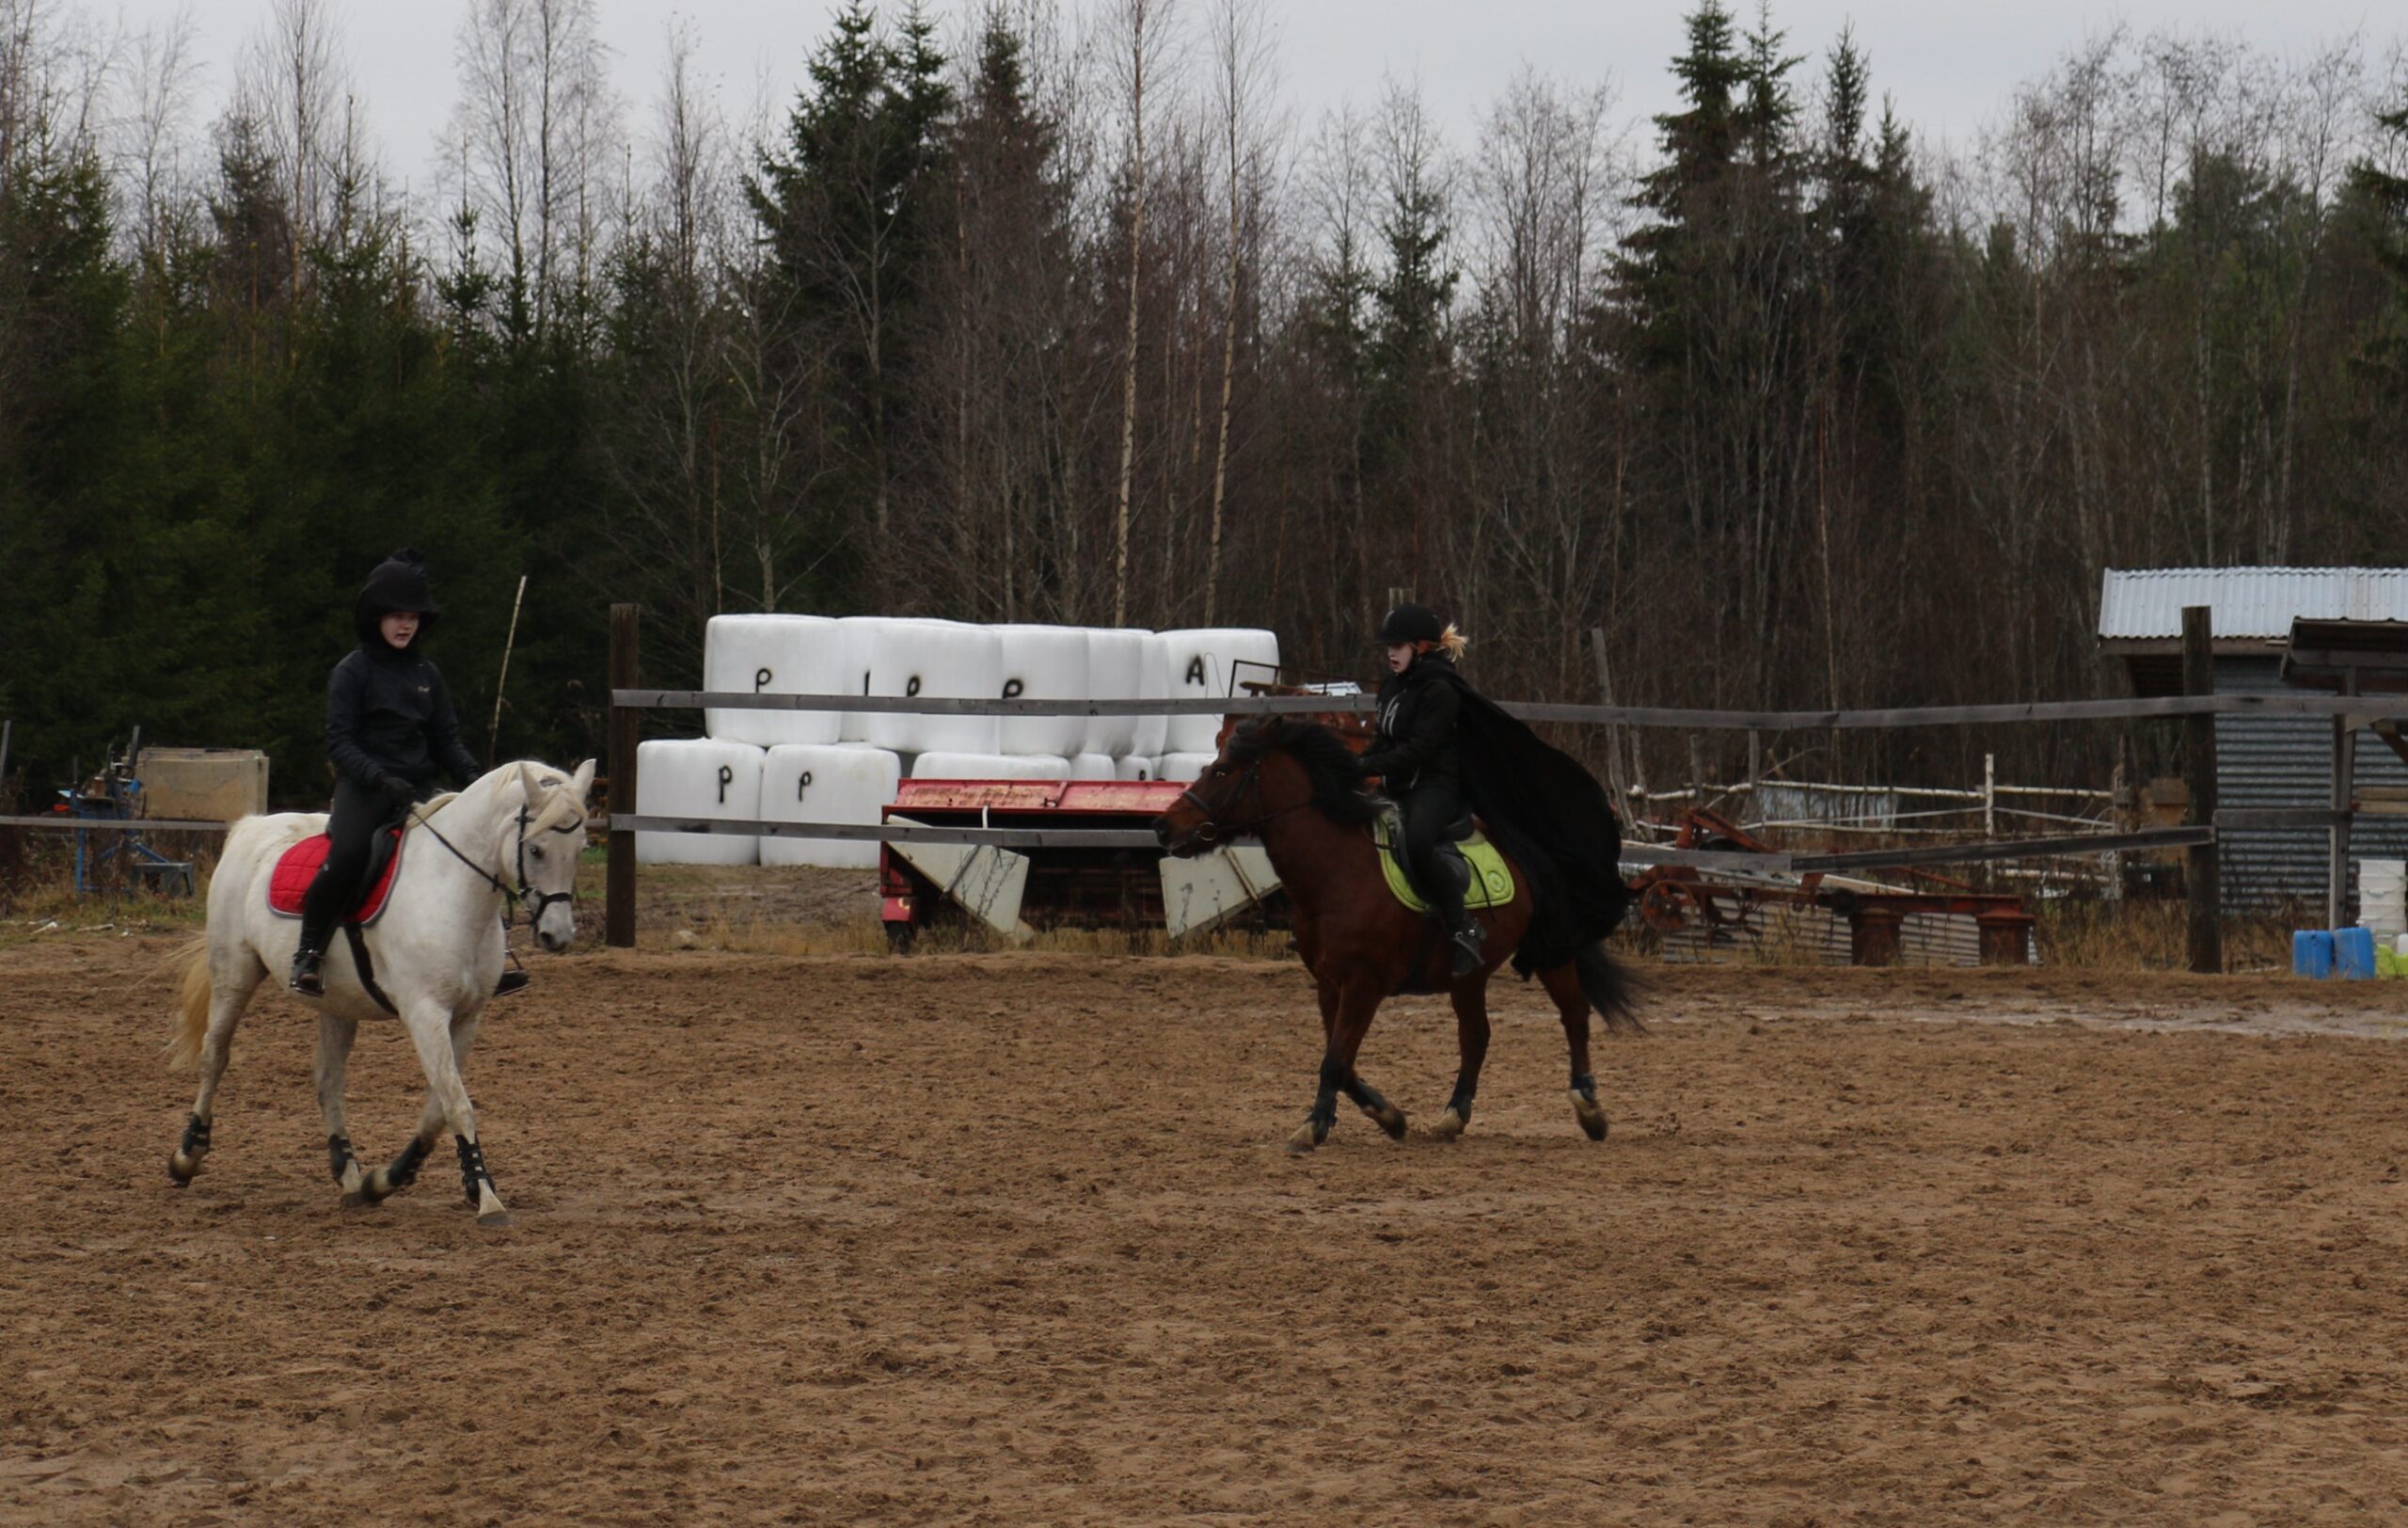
{"points": [[192, 1000]]}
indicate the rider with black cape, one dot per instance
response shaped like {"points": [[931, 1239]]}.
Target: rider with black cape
{"points": [[1443, 746]]}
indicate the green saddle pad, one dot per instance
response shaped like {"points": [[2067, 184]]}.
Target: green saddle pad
{"points": [[1492, 883]]}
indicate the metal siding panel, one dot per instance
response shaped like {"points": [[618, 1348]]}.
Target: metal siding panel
{"points": [[2288, 761]]}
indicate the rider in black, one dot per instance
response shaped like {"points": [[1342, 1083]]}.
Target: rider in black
{"points": [[390, 730], [1419, 758]]}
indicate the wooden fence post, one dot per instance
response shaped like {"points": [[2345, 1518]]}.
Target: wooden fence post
{"points": [[2199, 776], [619, 900]]}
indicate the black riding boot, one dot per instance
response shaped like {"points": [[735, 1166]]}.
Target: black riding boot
{"points": [[1464, 932], [305, 962]]}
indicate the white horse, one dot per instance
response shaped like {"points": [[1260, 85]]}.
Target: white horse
{"points": [[436, 950]]}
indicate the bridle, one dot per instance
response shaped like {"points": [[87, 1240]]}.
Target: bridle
{"points": [[1211, 830], [540, 902]]}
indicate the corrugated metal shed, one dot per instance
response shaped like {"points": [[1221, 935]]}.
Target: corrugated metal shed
{"points": [[2262, 761], [2288, 761], [2248, 603]]}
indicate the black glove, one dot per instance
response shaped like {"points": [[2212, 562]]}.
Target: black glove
{"points": [[400, 794]]}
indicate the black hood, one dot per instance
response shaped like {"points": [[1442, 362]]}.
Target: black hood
{"points": [[398, 584]]}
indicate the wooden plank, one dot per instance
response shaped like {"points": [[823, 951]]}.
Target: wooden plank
{"points": [[2260, 818], [896, 832], [115, 824], [2201, 873], [745, 700], [2160, 708], [2089, 843], [625, 728]]}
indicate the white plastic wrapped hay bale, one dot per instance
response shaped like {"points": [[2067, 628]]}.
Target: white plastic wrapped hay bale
{"points": [[1043, 662], [1134, 767], [951, 766], [856, 645], [1092, 767], [826, 784], [699, 779], [1152, 738], [1115, 671], [935, 661], [1186, 769], [1208, 664], [793, 655]]}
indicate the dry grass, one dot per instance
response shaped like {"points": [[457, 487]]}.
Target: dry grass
{"points": [[2093, 934]]}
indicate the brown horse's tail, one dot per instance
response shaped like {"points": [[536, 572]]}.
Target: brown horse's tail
{"points": [[1609, 986], [192, 1028]]}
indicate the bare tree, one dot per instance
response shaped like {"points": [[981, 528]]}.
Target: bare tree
{"points": [[1242, 57], [1141, 32]]}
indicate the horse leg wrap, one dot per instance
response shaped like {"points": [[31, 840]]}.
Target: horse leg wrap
{"points": [[1585, 1107], [396, 1175], [189, 1150], [339, 1154], [472, 1169]]}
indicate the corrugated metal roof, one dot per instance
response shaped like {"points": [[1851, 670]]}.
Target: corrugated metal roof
{"points": [[2146, 604]]}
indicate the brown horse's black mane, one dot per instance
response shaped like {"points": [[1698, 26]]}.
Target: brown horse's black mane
{"points": [[1329, 763]]}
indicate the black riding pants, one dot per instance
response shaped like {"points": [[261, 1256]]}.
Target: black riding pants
{"points": [[1430, 809], [358, 812]]}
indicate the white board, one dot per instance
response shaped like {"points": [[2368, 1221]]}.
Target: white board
{"points": [[1200, 892]]}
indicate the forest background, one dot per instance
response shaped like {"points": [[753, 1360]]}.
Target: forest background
{"points": [[1065, 312]]}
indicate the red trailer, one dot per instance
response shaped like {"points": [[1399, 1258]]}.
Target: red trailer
{"points": [[1042, 887]]}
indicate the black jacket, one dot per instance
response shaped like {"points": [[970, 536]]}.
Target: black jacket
{"points": [[1545, 809], [388, 711], [1417, 743]]}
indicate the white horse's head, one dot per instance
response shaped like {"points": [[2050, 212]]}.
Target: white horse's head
{"points": [[552, 843]]}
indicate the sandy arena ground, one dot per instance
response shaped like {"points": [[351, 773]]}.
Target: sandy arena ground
{"points": [[1011, 1239]]}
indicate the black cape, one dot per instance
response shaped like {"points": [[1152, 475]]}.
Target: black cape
{"points": [[1550, 815]]}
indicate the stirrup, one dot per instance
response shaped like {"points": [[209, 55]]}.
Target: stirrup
{"points": [[306, 979], [1470, 943], [511, 982]]}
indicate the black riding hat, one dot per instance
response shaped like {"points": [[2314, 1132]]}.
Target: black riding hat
{"points": [[1410, 623], [398, 584]]}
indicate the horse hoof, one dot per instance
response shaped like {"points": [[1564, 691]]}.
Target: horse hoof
{"points": [[1307, 1138], [1449, 1126], [1391, 1120], [1592, 1118], [181, 1172], [496, 1219]]}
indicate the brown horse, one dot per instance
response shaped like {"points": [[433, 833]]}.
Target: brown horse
{"points": [[1292, 785]]}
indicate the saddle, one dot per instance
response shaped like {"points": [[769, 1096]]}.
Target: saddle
{"points": [[1465, 855], [299, 865]]}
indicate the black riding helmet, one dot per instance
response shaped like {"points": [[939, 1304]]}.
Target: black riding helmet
{"points": [[398, 584], [1410, 623]]}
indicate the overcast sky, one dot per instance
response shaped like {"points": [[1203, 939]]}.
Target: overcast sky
{"points": [[1948, 63]]}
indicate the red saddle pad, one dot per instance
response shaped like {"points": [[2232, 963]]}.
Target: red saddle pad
{"points": [[299, 865]]}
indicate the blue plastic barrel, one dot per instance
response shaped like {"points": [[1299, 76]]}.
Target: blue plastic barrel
{"points": [[2312, 953], [2353, 954]]}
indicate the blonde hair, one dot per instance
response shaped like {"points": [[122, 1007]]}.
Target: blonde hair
{"points": [[1454, 642]]}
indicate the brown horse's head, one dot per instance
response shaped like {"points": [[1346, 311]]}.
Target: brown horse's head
{"points": [[1267, 769]]}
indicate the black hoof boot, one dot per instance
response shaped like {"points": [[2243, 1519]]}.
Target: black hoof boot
{"points": [[185, 1164], [511, 982], [306, 979]]}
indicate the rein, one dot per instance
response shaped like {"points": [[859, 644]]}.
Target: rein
{"points": [[511, 898], [1212, 827]]}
